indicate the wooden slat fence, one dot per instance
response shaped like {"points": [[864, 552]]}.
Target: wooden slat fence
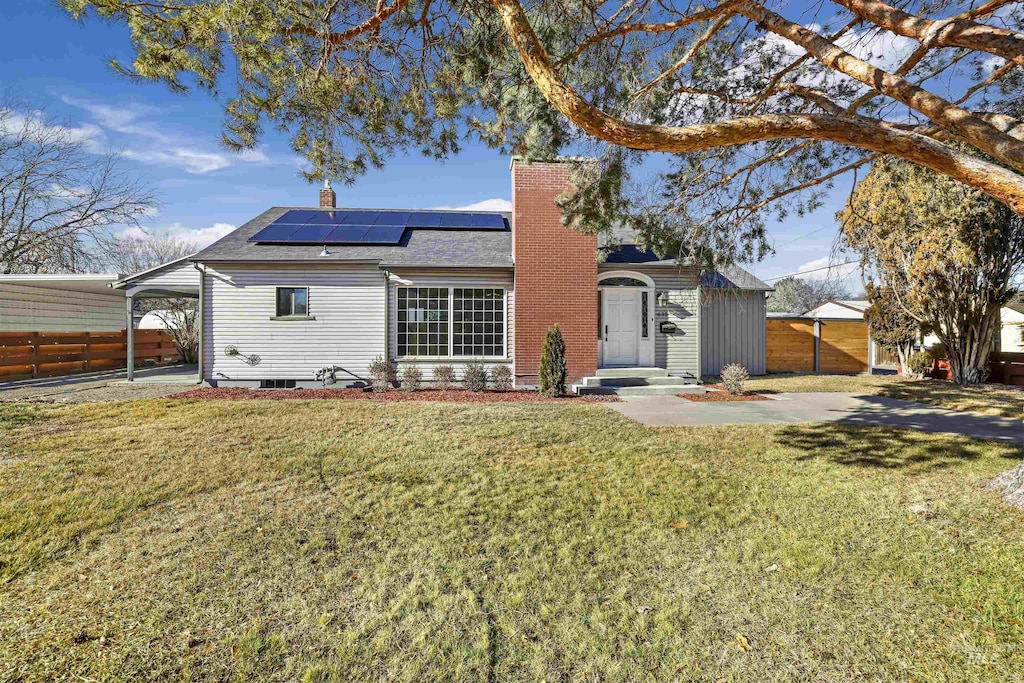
{"points": [[27, 355], [842, 345]]}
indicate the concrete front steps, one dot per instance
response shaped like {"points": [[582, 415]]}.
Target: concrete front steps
{"points": [[635, 382]]}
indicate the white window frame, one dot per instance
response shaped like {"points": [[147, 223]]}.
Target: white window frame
{"points": [[291, 316], [451, 323]]}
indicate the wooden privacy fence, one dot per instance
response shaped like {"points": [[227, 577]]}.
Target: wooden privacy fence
{"points": [[1006, 367], [806, 345], [26, 355]]}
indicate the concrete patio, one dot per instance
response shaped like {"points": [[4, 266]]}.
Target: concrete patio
{"points": [[103, 386]]}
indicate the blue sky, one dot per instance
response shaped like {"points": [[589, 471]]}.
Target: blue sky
{"points": [[173, 142]]}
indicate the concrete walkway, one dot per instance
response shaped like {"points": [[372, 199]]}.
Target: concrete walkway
{"points": [[112, 385], [854, 409]]}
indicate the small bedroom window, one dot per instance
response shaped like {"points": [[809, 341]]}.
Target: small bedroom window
{"points": [[292, 301]]}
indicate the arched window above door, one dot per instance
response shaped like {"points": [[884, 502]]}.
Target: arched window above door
{"points": [[622, 282]]}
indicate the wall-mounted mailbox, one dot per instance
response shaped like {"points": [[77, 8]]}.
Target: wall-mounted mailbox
{"points": [[667, 328]]}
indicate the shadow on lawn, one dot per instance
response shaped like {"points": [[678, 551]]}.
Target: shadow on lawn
{"points": [[881, 447]]}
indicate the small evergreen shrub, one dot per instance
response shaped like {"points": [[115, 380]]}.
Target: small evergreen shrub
{"points": [[552, 373], [474, 376], [501, 377], [412, 377], [382, 375], [734, 376], [444, 377], [920, 362]]}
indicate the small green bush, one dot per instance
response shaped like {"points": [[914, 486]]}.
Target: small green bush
{"points": [[734, 377], [412, 377], [474, 376], [382, 375], [501, 377], [444, 377], [552, 374], [920, 362]]}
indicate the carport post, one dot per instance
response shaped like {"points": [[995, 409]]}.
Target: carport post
{"points": [[129, 343], [817, 346]]}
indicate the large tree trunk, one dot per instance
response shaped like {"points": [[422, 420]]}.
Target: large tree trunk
{"points": [[903, 352], [969, 349]]}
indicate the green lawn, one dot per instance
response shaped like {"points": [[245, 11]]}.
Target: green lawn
{"points": [[990, 399], [363, 541]]}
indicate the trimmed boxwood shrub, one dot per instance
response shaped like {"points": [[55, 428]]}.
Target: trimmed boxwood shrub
{"points": [[382, 375], [444, 377], [474, 376], [412, 377], [501, 377]]}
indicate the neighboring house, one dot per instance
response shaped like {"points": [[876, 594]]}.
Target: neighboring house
{"points": [[853, 309], [61, 303], [298, 289], [1011, 336]]}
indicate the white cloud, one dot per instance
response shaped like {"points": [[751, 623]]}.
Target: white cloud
{"points": [[835, 269], [203, 237], [35, 123], [148, 141], [494, 204]]}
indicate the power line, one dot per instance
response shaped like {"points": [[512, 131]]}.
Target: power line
{"points": [[804, 272]]}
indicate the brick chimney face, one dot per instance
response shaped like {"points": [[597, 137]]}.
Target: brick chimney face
{"points": [[555, 276], [328, 200]]}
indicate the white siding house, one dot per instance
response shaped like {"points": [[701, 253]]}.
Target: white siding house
{"points": [[343, 326]]}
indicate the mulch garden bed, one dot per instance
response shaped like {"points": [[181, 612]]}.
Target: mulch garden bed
{"points": [[453, 396], [723, 395]]}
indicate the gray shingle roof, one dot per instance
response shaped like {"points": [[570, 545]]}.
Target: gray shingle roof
{"points": [[726, 277], [419, 248], [733, 276]]}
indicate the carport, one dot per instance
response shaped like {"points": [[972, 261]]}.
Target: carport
{"points": [[180, 279]]}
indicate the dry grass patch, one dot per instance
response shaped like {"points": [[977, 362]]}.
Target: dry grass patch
{"points": [[988, 399], [316, 541]]}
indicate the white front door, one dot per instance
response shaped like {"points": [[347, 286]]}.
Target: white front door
{"points": [[621, 326]]}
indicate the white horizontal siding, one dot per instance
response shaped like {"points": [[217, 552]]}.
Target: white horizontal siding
{"points": [[347, 302], [182, 275], [41, 309], [678, 303], [450, 279]]}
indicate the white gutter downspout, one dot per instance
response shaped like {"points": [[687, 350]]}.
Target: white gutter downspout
{"points": [[202, 321], [387, 316]]}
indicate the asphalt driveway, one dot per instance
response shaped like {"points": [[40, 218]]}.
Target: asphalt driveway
{"points": [[821, 407]]}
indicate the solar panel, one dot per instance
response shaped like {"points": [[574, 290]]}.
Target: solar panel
{"points": [[297, 217], [359, 218], [274, 233], [399, 218], [328, 218], [385, 234], [456, 220], [311, 233], [347, 233], [489, 220], [422, 219], [306, 226]]}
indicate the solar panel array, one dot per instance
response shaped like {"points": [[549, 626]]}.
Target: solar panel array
{"points": [[300, 226]]}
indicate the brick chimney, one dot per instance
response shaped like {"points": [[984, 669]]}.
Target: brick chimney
{"points": [[328, 199], [556, 273]]}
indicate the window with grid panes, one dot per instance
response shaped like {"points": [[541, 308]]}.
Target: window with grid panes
{"points": [[422, 321], [478, 322]]}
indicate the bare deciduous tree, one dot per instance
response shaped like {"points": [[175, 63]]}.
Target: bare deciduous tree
{"points": [[758, 105], [58, 201], [129, 254], [179, 315], [794, 295]]}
